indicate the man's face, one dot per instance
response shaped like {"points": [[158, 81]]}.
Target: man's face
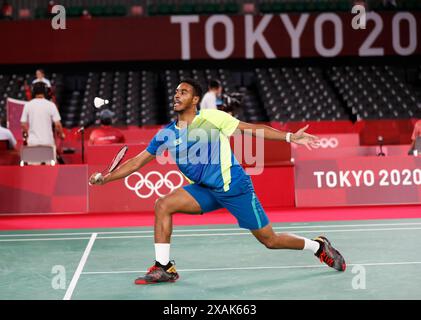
{"points": [[39, 74], [183, 97], [219, 92]]}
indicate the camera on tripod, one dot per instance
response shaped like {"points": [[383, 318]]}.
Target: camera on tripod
{"points": [[230, 101]]}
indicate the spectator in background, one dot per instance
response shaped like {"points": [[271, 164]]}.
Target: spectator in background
{"points": [[415, 134], [361, 3], [50, 7], [38, 116], [6, 134], [209, 99], [106, 134], [40, 77], [7, 10], [86, 15]]}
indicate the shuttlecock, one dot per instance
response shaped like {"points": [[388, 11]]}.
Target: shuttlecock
{"points": [[98, 102]]}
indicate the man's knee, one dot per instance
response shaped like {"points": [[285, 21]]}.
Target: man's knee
{"points": [[162, 206], [270, 243]]}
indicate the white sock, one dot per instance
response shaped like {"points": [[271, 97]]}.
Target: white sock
{"points": [[311, 245], [162, 253]]}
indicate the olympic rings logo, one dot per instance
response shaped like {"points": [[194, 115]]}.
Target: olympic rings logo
{"points": [[145, 183], [328, 143]]}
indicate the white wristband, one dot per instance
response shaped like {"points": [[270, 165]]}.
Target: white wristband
{"points": [[288, 137]]}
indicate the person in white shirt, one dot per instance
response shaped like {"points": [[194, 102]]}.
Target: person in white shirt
{"points": [[40, 77], [209, 99], [38, 116], [6, 134]]}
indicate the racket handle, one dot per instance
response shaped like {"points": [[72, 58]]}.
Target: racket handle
{"points": [[97, 177]]}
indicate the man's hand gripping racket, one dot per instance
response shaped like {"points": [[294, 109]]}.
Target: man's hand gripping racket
{"points": [[98, 177]]}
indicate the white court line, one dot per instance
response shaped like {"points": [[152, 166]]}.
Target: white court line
{"points": [[262, 268], [248, 233], [206, 230], [41, 239], [79, 269], [207, 234]]}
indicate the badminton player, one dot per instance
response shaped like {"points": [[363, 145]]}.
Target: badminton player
{"points": [[218, 182]]}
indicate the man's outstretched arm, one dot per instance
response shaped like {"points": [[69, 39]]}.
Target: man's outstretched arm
{"points": [[266, 132], [124, 170]]}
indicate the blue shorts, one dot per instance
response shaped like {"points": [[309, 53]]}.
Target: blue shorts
{"points": [[240, 200]]}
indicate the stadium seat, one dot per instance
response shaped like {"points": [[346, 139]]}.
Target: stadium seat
{"points": [[265, 7], [41, 13], [97, 11], [231, 7], [299, 6], [119, 10], [344, 5], [211, 8], [166, 8], [324, 5], [75, 11], [152, 9], [186, 8]]}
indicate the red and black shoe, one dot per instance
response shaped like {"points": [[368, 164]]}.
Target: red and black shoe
{"points": [[329, 254], [159, 273]]}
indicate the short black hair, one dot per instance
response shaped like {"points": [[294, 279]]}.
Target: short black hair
{"points": [[197, 89], [214, 84], [106, 117], [41, 70], [39, 88], [106, 121]]}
